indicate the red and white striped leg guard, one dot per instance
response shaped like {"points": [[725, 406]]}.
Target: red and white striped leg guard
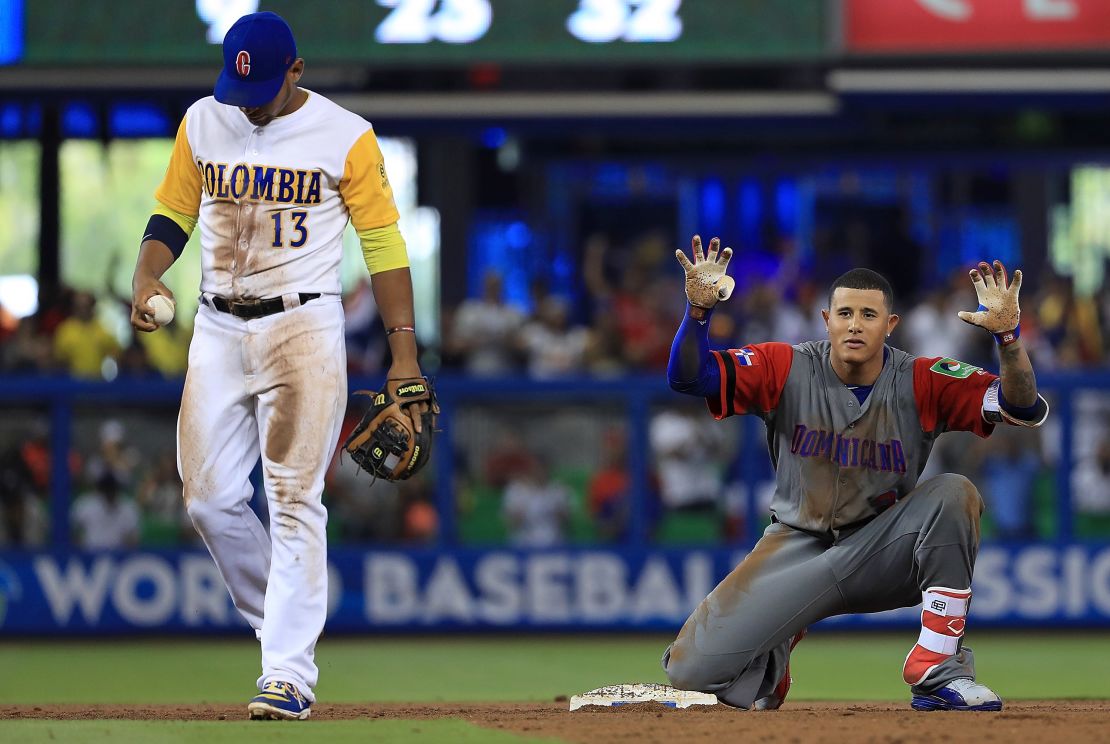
{"points": [[943, 613]]}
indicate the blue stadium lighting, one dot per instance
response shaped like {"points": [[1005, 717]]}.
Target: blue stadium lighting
{"points": [[786, 205], [611, 179], [79, 120], [32, 120], [11, 120], [139, 120], [996, 233], [11, 31], [751, 212], [494, 137], [713, 204], [562, 269], [518, 235]]}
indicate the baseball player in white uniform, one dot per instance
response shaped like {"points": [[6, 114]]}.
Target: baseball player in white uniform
{"points": [[271, 173]]}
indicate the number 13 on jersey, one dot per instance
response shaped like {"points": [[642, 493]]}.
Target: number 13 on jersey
{"points": [[298, 232]]}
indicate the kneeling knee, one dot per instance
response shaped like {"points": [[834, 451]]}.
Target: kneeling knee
{"points": [[688, 670], [962, 494], [684, 676]]}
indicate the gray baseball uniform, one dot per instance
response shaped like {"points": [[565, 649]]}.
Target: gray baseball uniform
{"points": [[852, 530]]}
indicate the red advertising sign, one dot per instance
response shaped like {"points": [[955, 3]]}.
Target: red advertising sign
{"points": [[910, 26]]}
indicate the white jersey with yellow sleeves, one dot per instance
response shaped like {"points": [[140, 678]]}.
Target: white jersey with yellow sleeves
{"points": [[272, 202]]}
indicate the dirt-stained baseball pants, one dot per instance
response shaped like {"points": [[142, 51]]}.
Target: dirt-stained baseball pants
{"points": [[274, 387], [736, 643]]}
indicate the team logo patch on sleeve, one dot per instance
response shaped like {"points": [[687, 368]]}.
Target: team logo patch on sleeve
{"points": [[746, 357], [954, 368]]}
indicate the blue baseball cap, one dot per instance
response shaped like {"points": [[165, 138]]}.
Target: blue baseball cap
{"points": [[258, 50]]}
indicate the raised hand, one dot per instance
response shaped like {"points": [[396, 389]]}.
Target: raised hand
{"points": [[998, 298], [706, 280]]}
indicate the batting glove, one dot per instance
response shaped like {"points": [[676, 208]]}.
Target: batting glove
{"points": [[706, 280], [998, 310]]}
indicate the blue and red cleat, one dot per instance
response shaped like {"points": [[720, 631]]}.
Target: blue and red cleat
{"points": [[963, 693]]}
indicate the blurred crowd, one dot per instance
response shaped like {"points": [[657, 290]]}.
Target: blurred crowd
{"points": [[621, 323], [71, 334], [122, 496], [633, 303], [625, 320]]}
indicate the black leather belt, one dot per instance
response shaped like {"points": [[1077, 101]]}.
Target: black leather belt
{"points": [[253, 308]]}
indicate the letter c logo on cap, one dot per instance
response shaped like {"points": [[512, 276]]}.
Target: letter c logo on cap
{"points": [[243, 63]]}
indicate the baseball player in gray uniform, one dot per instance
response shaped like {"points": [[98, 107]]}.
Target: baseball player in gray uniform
{"points": [[850, 423]]}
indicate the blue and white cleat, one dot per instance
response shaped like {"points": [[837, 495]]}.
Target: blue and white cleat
{"points": [[959, 694], [279, 701]]}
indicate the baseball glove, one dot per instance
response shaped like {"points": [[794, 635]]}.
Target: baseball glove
{"points": [[385, 443]]}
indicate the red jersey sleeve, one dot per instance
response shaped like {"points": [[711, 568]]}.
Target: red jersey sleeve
{"points": [[949, 395], [752, 378]]}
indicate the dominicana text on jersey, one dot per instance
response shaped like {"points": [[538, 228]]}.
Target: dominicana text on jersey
{"points": [[850, 452]]}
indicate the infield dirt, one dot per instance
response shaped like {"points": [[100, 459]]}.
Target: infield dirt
{"points": [[1055, 720]]}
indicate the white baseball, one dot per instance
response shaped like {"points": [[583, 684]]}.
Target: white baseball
{"points": [[163, 309]]}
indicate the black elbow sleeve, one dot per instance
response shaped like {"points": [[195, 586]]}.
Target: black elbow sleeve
{"points": [[162, 228]]}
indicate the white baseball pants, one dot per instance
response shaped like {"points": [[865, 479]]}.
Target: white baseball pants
{"points": [[277, 387]]}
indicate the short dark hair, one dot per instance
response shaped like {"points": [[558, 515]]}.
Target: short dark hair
{"points": [[864, 279]]}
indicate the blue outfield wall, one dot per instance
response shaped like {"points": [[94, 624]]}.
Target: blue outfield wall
{"points": [[634, 396], [56, 593], [631, 586]]}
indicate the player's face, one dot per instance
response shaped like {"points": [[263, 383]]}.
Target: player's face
{"points": [[260, 116], [858, 324]]}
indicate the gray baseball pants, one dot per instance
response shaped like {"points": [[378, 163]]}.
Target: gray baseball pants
{"points": [[736, 644]]}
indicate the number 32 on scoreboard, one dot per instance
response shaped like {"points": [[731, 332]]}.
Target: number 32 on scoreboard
{"points": [[626, 20], [465, 21]]}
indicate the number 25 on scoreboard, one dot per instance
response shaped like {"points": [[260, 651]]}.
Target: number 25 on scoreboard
{"points": [[298, 230], [419, 21]]}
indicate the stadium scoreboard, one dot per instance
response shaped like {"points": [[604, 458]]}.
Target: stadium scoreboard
{"points": [[427, 32]]}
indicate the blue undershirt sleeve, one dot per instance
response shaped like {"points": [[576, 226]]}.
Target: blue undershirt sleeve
{"points": [[691, 369]]}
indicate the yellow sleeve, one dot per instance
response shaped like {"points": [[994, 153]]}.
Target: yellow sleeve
{"points": [[186, 222], [180, 189], [383, 248], [365, 186]]}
